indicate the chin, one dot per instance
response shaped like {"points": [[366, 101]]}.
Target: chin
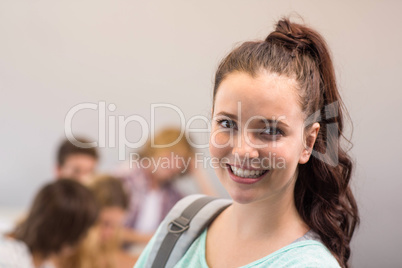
{"points": [[241, 196]]}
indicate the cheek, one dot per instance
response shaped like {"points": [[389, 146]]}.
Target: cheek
{"points": [[220, 143], [284, 155], [88, 167], [213, 150]]}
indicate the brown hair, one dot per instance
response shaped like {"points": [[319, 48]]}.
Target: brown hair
{"points": [[60, 215], [166, 136], [67, 149], [109, 192], [322, 192]]}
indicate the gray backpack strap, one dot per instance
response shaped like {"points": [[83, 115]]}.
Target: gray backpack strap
{"points": [[184, 223]]}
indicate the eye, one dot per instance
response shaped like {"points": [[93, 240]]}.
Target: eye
{"points": [[273, 131], [227, 123]]}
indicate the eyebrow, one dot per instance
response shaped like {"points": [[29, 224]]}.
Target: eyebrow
{"points": [[232, 116], [265, 120], [274, 122]]}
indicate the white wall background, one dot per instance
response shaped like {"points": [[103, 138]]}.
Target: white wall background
{"points": [[57, 54]]}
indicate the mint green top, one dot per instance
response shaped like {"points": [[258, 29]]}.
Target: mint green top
{"points": [[300, 254]]}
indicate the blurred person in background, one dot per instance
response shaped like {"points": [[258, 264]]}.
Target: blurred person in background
{"points": [[149, 181], [102, 247], [59, 217], [76, 162]]}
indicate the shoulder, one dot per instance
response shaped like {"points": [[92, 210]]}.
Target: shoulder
{"points": [[14, 253], [187, 238], [307, 253]]}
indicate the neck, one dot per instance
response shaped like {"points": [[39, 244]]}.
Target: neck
{"points": [[273, 217]]}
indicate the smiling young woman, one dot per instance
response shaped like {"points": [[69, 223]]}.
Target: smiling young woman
{"points": [[277, 99], [289, 76]]}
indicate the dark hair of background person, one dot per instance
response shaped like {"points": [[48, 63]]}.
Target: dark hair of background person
{"points": [[67, 149], [322, 193], [109, 192], [60, 215]]}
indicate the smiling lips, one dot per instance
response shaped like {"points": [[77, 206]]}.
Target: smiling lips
{"points": [[246, 176]]}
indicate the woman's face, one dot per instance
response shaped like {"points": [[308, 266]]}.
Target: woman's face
{"points": [[110, 222], [168, 166], [257, 136]]}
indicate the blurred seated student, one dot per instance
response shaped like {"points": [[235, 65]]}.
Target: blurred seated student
{"points": [[59, 217], [76, 162], [102, 247], [150, 181]]}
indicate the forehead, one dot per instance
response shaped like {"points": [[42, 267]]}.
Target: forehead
{"points": [[80, 158], [267, 94]]}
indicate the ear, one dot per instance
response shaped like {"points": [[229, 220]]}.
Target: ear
{"points": [[309, 139]]}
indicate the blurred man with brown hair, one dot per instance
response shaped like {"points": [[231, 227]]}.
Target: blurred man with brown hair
{"points": [[76, 162]]}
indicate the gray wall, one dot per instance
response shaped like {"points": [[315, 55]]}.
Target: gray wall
{"points": [[57, 54]]}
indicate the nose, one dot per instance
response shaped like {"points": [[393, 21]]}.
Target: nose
{"points": [[244, 146]]}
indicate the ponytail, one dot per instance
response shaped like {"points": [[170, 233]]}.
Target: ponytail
{"points": [[322, 193]]}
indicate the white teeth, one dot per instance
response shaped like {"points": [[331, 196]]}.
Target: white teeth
{"points": [[246, 173]]}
